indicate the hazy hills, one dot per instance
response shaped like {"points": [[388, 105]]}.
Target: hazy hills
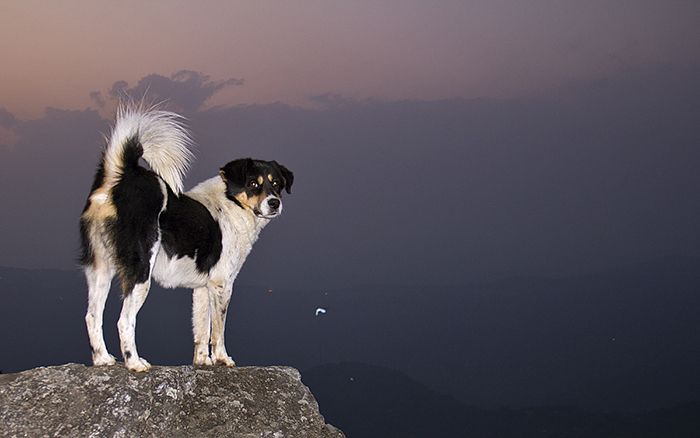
{"points": [[623, 340], [374, 402]]}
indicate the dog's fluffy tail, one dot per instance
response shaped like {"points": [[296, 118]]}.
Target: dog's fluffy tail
{"points": [[154, 134]]}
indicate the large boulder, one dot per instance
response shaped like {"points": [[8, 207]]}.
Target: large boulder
{"points": [[73, 400]]}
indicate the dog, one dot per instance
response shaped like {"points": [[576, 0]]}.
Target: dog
{"points": [[138, 225]]}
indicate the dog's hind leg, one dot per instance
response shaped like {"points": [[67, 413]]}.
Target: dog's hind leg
{"points": [[219, 297], [127, 326], [99, 279], [201, 326]]}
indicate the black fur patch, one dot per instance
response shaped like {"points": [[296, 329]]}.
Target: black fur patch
{"points": [[236, 172], [138, 199], [87, 255], [188, 229], [286, 174]]}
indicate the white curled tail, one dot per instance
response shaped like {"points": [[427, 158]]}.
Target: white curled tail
{"points": [[165, 141]]}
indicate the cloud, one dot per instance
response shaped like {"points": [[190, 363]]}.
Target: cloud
{"points": [[184, 91], [411, 192], [459, 190], [328, 100], [7, 119], [97, 97]]}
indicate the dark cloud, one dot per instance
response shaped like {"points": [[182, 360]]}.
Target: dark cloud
{"points": [[7, 119], [329, 99], [119, 90], [184, 91], [462, 190], [411, 192], [97, 97]]}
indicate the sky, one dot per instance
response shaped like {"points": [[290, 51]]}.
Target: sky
{"points": [[441, 142], [55, 54]]}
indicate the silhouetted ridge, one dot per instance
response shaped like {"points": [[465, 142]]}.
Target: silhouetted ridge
{"points": [[374, 401], [367, 401]]}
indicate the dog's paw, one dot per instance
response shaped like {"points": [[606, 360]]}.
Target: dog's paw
{"points": [[139, 365], [201, 357], [205, 361], [103, 360], [226, 360]]}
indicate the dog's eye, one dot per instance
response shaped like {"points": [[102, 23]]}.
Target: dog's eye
{"points": [[275, 183], [254, 184]]}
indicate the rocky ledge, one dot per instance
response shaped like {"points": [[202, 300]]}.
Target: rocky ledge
{"points": [[73, 400]]}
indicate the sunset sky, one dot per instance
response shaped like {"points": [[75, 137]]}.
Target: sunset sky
{"points": [[56, 53], [433, 142]]}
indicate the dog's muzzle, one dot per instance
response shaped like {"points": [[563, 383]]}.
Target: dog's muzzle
{"points": [[270, 207]]}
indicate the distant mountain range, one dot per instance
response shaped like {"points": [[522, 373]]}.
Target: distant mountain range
{"points": [[626, 340], [367, 401]]}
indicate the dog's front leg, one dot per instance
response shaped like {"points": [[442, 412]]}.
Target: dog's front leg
{"points": [[219, 297], [201, 326]]}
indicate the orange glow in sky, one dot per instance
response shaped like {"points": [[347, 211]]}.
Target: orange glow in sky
{"points": [[56, 53]]}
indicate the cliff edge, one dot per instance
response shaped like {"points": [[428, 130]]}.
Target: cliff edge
{"points": [[73, 400]]}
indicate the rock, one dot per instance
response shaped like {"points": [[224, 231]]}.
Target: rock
{"points": [[73, 400]]}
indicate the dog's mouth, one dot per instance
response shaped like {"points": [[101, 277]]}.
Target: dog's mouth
{"points": [[262, 215]]}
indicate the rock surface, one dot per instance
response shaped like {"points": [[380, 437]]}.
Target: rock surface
{"points": [[73, 400]]}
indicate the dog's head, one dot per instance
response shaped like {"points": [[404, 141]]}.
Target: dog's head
{"points": [[257, 185]]}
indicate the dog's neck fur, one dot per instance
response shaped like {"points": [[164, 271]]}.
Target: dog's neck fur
{"points": [[232, 218]]}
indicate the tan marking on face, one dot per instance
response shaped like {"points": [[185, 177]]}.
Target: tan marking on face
{"points": [[269, 177], [260, 180], [255, 201], [223, 175], [242, 198], [252, 202]]}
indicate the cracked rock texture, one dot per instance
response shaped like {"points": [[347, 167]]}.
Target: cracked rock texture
{"points": [[73, 400]]}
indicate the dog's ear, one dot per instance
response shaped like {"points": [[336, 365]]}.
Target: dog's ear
{"points": [[287, 175], [235, 172]]}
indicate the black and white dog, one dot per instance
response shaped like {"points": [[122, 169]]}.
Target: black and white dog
{"points": [[137, 224]]}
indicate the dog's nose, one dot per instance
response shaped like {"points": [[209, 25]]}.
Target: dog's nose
{"points": [[274, 203]]}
